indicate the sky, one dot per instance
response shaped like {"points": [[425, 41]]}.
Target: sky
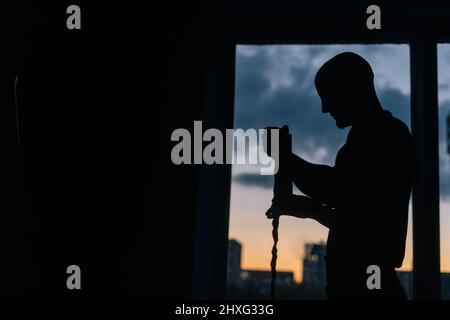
{"points": [[274, 87]]}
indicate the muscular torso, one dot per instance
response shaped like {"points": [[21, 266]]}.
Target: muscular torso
{"points": [[373, 174]]}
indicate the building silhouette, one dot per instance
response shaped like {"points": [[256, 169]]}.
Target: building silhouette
{"points": [[445, 285], [234, 262], [255, 284], [405, 278], [314, 274], [314, 265]]}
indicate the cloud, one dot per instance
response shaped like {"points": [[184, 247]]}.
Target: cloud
{"points": [[397, 103], [254, 180], [444, 111], [275, 86], [443, 71], [444, 157]]}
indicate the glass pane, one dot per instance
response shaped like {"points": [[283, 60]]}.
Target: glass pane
{"points": [[444, 161], [274, 87]]}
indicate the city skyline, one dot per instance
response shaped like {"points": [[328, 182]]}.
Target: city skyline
{"points": [[243, 283], [274, 86]]}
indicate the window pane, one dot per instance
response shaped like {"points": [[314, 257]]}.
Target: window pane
{"points": [[274, 87], [444, 161]]}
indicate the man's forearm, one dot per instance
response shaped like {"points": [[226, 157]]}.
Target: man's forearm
{"points": [[304, 207], [314, 180]]}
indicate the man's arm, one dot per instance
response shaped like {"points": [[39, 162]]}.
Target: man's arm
{"points": [[303, 207], [316, 181]]}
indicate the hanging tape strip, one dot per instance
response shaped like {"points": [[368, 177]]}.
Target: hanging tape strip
{"points": [[273, 262]]}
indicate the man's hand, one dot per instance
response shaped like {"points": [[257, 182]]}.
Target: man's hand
{"points": [[285, 206], [301, 207], [293, 205]]}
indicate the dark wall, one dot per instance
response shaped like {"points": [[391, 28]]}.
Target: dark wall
{"points": [[183, 54], [72, 189], [91, 181]]}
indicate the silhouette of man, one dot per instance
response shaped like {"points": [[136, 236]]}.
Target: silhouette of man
{"points": [[364, 198]]}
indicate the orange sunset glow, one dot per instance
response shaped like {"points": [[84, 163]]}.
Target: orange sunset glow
{"points": [[253, 230], [267, 73]]}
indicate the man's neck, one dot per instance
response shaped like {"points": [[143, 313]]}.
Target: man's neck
{"points": [[369, 113]]}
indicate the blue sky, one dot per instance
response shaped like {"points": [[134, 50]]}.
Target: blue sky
{"points": [[274, 86]]}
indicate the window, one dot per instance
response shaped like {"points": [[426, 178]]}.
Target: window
{"points": [[444, 164], [274, 85]]}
